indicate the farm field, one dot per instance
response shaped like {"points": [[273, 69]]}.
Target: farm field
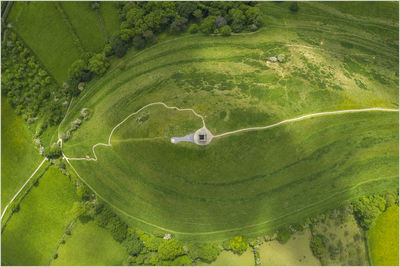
{"points": [[319, 162], [33, 233], [71, 28], [383, 239], [83, 246], [20, 157], [295, 252]]}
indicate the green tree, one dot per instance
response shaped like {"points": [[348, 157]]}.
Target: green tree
{"points": [[226, 30], [83, 192], [186, 8], [138, 41], [198, 14], [118, 46], [77, 69], [193, 28], [98, 64], [170, 249], [208, 25], [366, 209], [207, 252], [117, 228], [239, 244], [283, 234], [318, 245], [132, 243]]}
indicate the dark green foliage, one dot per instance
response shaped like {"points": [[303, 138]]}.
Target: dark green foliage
{"points": [[150, 242], [185, 9], [53, 152], [179, 24], [294, 7], [77, 70], [226, 30], [118, 46], [220, 21], [170, 249], [132, 243], [98, 64], [283, 234], [366, 209], [194, 28], [207, 252], [29, 88], [138, 41], [239, 244], [318, 245], [198, 13], [149, 36], [208, 25], [117, 228]]}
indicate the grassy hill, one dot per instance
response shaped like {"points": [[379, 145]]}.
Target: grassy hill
{"points": [[250, 182]]}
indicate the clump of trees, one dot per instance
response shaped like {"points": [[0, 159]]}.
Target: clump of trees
{"points": [[239, 244], [207, 252], [30, 90], [367, 209]]}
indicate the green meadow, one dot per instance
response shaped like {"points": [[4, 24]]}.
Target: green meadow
{"points": [[19, 158], [83, 246], [33, 233], [383, 239]]}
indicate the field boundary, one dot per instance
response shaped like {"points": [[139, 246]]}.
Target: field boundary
{"points": [[19, 191]]}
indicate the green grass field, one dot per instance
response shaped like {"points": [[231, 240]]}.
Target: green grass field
{"points": [[59, 40], [20, 157], [295, 252], [250, 182], [84, 245], [87, 23], [383, 239], [42, 28], [33, 233]]}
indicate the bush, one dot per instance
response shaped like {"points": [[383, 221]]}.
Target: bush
{"points": [[194, 28], [77, 70], [138, 41], [366, 209], [226, 30], [132, 243], [117, 228], [208, 25], [179, 24], [226, 245], [170, 249], [107, 50], [239, 244], [294, 7], [118, 46], [205, 252], [220, 21], [149, 36], [98, 64], [283, 234], [83, 192], [198, 14], [318, 245]]}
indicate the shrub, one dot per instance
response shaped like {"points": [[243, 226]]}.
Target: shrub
{"points": [[83, 192], [170, 249], [205, 252], [239, 244], [117, 228], [107, 50], [138, 41], [194, 28], [98, 64], [132, 243], [226, 30], [366, 209], [226, 245], [78, 69], [220, 21], [283, 234], [149, 36], [208, 25], [318, 245], [118, 46], [179, 24], [198, 13]]}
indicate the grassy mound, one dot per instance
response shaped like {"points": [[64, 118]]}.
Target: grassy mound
{"points": [[250, 182], [383, 239]]}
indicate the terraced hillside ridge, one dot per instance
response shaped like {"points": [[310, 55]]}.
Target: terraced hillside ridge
{"points": [[251, 181]]}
